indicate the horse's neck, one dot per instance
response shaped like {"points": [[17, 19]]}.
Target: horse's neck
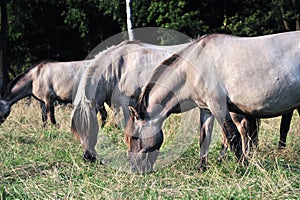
{"points": [[172, 91], [162, 101], [21, 89]]}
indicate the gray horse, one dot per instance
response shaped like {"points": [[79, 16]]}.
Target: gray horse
{"points": [[47, 82], [220, 73], [115, 77]]}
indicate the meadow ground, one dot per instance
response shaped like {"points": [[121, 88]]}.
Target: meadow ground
{"points": [[46, 163]]}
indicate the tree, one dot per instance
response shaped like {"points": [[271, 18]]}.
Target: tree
{"points": [[180, 15], [289, 13], [129, 23], [69, 29], [4, 79]]}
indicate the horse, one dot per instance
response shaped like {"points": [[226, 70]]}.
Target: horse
{"points": [[46, 82], [115, 77], [218, 73]]}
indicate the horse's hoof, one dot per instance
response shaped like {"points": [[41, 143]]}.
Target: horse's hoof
{"points": [[281, 147], [220, 159], [89, 157], [202, 169], [245, 161], [57, 126], [203, 165]]}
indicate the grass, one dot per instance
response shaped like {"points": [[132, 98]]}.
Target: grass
{"points": [[45, 163]]}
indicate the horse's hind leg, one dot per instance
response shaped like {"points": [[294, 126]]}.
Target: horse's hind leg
{"points": [[249, 134], [253, 127], [44, 113], [206, 127], [284, 129]]}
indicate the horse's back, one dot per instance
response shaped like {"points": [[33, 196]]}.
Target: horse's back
{"points": [[258, 72], [58, 78]]}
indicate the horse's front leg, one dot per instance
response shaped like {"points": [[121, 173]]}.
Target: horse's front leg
{"points": [[50, 108], [44, 113], [206, 128], [125, 102], [103, 113], [220, 110]]}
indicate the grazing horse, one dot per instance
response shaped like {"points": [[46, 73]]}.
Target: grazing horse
{"points": [[115, 77], [47, 82], [221, 73]]}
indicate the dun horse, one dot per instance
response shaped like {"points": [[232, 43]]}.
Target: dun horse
{"points": [[115, 77], [47, 82], [219, 73]]}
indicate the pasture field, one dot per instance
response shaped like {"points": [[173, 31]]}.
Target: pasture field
{"points": [[45, 163]]}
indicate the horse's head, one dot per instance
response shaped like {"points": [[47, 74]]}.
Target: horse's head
{"points": [[143, 137], [4, 110]]}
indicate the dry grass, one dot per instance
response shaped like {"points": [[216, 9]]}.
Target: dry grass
{"points": [[45, 163]]}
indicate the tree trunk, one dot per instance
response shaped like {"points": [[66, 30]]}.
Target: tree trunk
{"points": [[129, 23], [285, 22], [4, 79]]}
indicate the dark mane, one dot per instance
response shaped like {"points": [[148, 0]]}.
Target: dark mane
{"points": [[143, 99]]}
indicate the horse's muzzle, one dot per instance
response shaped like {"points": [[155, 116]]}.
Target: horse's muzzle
{"points": [[143, 162], [2, 119]]}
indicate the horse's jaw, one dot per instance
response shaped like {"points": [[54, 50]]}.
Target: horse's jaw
{"points": [[142, 162]]}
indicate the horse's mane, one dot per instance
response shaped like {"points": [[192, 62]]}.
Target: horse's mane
{"points": [[84, 105], [90, 72], [156, 75]]}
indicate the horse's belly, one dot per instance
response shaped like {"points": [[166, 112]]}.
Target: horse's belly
{"points": [[268, 107]]}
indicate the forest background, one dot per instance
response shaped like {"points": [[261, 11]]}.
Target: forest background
{"points": [[65, 30]]}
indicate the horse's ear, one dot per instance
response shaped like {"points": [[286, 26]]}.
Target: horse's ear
{"points": [[133, 112]]}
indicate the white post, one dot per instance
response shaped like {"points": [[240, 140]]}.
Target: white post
{"points": [[129, 24]]}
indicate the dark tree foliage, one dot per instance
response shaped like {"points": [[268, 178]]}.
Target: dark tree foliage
{"points": [[66, 30]]}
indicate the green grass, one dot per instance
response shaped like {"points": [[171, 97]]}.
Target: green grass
{"points": [[45, 163]]}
